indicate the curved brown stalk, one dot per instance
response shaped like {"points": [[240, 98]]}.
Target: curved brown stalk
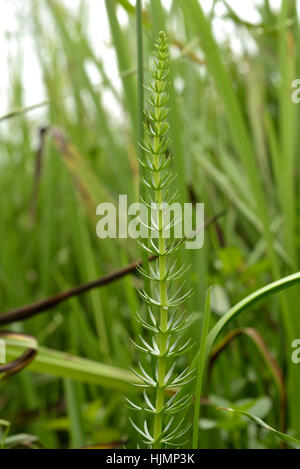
{"points": [[71, 158], [13, 367], [185, 50], [268, 358], [27, 311]]}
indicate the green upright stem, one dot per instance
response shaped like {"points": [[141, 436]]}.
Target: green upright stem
{"points": [[160, 392], [162, 339]]}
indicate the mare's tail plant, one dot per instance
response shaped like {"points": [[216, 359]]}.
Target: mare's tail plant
{"points": [[165, 323]]}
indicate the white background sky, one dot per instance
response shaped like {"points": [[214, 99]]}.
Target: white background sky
{"points": [[99, 36]]}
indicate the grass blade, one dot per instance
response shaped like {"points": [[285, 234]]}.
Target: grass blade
{"points": [[283, 436], [200, 369]]}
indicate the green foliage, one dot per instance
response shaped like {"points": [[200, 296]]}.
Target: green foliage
{"points": [[233, 134]]}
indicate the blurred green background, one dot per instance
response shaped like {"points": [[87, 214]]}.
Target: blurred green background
{"points": [[235, 141]]}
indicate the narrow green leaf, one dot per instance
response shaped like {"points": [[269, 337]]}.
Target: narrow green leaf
{"points": [[283, 436], [200, 369], [255, 298]]}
